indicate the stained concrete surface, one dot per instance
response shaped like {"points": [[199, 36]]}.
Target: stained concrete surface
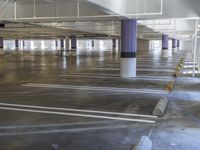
{"points": [[179, 128], [29, 130]]}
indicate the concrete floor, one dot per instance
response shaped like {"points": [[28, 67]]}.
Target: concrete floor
{"points": [[90, 82]]}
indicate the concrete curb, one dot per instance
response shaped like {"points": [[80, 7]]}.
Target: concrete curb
{"points": [[179, 67], [161, 106], [144, 144]]}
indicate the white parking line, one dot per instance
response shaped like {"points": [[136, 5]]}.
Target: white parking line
{"points": [[158, 77], [104, 68], [77, 115], [138, 69], [78, 110], [88, 76], [94, 88], [147, 78], [99, 74], [117, 76], [85, 129], [58, 125]]}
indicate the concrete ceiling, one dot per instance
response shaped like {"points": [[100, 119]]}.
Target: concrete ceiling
{"points": [[57, 18]]}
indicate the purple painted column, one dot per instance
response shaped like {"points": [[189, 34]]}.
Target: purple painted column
{"points": [[17, 44], [23, 43], [56, 43], [1, 43], [114, 43], [60, 52], [73, 42], [1, 46], [92, 43], [165, 40], [165, 45], [128, 48], [174, 45], [178, 44], [62, 43]]}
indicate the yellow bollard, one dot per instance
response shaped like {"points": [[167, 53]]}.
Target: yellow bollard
{"points": [[169, 86]]}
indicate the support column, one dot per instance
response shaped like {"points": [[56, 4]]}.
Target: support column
{"points": [[119, 44], [56, 44], [1, 46], [114, 45], [73, 43], [93, 44], [128, 48], [174, 45], [66, 52], [62, 44], [16, 45], [165, 46], [23, 44], [67, 43], [178, 45], [61, 51]]}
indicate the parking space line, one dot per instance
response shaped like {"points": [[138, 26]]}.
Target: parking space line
{"points": [[83, 129], [117, 76], [94, 88], [57, 125], [146, 78], [78, 110], [138, 69], [88, 76], [77, 115], [104, 68]]}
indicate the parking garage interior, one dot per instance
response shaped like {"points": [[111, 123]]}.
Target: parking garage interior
{"points": [[99, 75]]}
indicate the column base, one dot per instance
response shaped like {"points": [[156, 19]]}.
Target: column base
{"points": [[174, 50], [73, 52], [178, 48], [128, 67], [61, 51], [165, 53], [65, 53]]}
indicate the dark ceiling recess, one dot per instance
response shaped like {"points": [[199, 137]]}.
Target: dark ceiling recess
{"points": [[2, 25], [95, 35]]}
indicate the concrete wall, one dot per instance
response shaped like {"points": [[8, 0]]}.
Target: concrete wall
{"points": [[143, 45]]}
